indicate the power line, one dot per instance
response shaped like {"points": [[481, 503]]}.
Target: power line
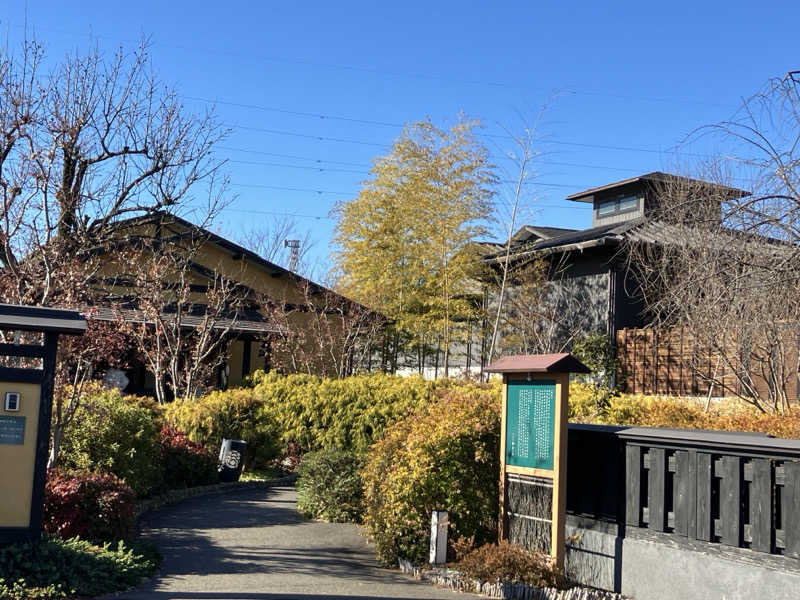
{"points": [[329, 218], [323, 138], [364, 166], [574, 90]]}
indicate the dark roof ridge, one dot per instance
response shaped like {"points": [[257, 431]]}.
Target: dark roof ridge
{"points": [[652, 176], [230, 246]]}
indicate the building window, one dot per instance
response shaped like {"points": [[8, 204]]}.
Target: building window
{"points": [[618, 204]]}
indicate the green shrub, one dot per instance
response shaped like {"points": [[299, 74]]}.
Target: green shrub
{"points": [[231, 414], [56, 569], [111, 433], [95, 506], [446, 457], [509, 563], [329, 486], [597, 352]]}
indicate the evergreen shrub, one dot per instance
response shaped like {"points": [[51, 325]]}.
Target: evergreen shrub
{"points": [[445, 457], [329, 486], [112, 433], [505, 562]]}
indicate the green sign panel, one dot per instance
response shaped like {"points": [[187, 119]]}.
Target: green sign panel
{"points": [[12, 430], [530, 424]]}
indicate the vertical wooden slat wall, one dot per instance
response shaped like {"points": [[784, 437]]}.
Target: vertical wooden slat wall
{"points": [[671, 362]]}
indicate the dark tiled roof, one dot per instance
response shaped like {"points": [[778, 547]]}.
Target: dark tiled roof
{"points": [[39, 318], [235, 249], [249, 324], [605, 234], [655, 176]]}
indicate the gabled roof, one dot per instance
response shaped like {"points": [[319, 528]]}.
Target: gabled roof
{"points": [[163, 218], [529, 232], [574, 240], [654, 177]]}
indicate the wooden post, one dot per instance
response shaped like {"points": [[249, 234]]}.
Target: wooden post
{"points": [[560, 471]]}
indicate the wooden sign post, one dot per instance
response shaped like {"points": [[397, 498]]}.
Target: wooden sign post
{"points": [[27, 368], [533, 446]]}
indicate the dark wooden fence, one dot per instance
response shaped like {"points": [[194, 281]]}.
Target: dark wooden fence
{"points": [[736, 489], [670, 361]]}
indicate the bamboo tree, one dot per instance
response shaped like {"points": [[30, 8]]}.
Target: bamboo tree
{"points": [[403, 241]]}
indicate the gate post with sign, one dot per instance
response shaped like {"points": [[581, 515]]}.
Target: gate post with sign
{"points": [[27, 369], [533, 449]]}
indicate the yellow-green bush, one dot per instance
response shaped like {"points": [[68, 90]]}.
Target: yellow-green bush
{"points": [[233, 414], [343, 414], [313, 412], [688, 413], [445, 457]]}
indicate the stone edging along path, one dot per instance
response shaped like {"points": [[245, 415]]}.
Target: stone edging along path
{"points": [[513, 591], [175, 496]]}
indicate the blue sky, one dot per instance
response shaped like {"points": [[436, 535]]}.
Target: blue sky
{"points": [[314, 91]]}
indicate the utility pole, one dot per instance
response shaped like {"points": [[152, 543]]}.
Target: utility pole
{"points": [[294, 253]]}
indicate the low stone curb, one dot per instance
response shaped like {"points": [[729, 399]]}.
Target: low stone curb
{"points": [[452, 579], [175, 496]]}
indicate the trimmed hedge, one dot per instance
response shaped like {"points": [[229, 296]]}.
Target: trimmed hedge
{"points": [[233, 414], [443, 458], [97, 507], [345, 414], [329, 486]]}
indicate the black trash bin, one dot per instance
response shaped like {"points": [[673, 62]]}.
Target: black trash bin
{"points": [[231, 460]]}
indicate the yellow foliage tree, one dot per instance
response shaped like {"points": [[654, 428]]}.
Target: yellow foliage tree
{"points": [[403, 241]]}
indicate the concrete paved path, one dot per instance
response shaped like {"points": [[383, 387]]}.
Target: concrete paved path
{"points": [[252, 545]]}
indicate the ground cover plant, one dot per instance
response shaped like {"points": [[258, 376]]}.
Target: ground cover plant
{"points": [[57, 569]]}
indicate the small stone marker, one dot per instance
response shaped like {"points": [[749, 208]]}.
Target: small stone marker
{"points": [[439, 526], [533, 449]]}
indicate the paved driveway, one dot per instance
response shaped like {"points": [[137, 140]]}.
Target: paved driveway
{"points": [[252, 545]]}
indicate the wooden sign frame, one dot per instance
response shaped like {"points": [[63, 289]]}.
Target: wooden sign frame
{"points": [[554, 368], [558, 475]]}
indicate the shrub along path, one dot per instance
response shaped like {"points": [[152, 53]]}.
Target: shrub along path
{"points": [[252, 545]]}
